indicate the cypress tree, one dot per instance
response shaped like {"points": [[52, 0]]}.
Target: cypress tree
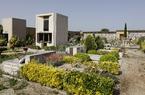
{"points": [[125, 31]]}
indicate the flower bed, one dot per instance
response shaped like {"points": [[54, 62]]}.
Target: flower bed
{"points": [[72, 81]]}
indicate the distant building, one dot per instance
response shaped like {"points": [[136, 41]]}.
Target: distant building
{"points": [[108, 35], [72, 34], [14, 27], [51, 29], [118, 34], [31, 32], [132, 34]]}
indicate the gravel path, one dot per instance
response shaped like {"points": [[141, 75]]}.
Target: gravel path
{"points": [[132, 79]]}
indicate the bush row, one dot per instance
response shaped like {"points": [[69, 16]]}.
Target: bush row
{"points": [[72, 81], [112, 57], [111, 67], [98, 52], [142, 46], [80, 57], [71, 59]]}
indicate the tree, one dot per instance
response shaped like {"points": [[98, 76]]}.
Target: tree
{"points": [[104, 30], [125, 31], [3, 41], [99, 42], [1, 29], [29, 40], [2, 44], [90, 43], [14, 41]]}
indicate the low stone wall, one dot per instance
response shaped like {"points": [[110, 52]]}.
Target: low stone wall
{"points": [[12, 66], [41, 57]]}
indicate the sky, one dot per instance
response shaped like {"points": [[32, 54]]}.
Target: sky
{"points": [[84, 15]]}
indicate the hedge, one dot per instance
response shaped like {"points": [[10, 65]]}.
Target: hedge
{"points": [[111, 67], [82, 56], [72, 81], [142, 46], [98, 52], [71, 59], [92, 52], [112, 57]]}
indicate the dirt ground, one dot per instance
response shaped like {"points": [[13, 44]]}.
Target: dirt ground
{"points": [[132, 80]]}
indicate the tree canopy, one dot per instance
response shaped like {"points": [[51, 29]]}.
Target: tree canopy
{"points": [[90, 43], [104, 30], [125, 31]]}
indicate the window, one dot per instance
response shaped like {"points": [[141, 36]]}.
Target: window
{"points": [[45, 37], [50, 37], [46, 24], [40, 37]]}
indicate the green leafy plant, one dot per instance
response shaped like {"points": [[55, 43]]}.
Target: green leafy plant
{"points": [[101, 52], [12, 82], [90, 43], [50, 48], [99, 42], [92, 52], [2, 87], [112, 57], [143, 46], [14, 42], [111, 67], [73, 82], [91, 67], [71, 59], [83, 57], [115, 53], [1, 72], [82, 83]]}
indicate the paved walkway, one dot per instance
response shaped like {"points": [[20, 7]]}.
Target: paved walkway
{"points": [[133, 73]]}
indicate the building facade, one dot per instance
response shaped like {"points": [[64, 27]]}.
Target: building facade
{"points": [[107, 35], [14, 27], [118, 34], [51, 29]]}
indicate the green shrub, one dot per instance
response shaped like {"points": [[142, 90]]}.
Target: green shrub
{"points": [[91, 67], [22, 84], [74, 82], [100, 52], [70, 59], [112, 57], [92, 52], [87, 84], [143, 46], [83, 57], [111, 67], [115, 53], [2, 49], [1, 73], [50, 48], [12, 82], [46, 75], [2, 87], [99, 42], [90, 43], [35, 47], [141, 39]]}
